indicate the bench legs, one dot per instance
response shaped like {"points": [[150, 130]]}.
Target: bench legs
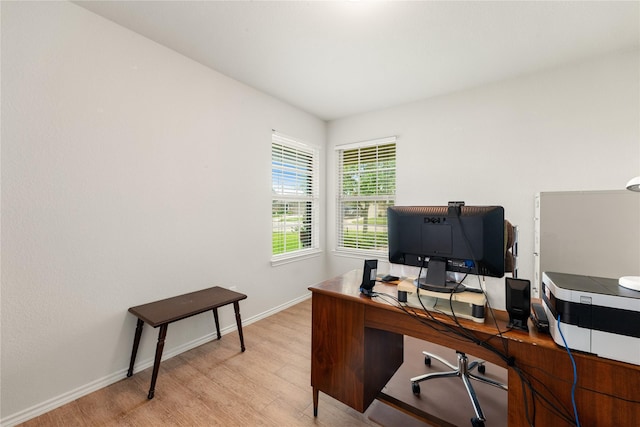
{"points": [[215, 317], [136, 343], [236, 308], [159, 347], [156, 364], [162, 334]]}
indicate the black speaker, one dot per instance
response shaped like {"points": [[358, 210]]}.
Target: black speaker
{"points": [[369, 276], [518, 294]]}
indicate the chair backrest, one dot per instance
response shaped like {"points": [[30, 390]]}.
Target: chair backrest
{"points": [[510, 248]]}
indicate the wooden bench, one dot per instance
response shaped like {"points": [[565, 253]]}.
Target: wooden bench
{"points": [[161, 313]]}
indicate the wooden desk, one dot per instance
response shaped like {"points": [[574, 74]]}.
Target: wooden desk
{"points": [[357, 346], [161, 313]]}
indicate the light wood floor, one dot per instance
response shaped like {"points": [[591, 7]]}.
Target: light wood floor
{"points": [[267, 385], [216, 384]]}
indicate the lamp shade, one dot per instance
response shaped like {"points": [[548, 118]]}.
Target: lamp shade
{"points": [[634, 184], [631, 282]]}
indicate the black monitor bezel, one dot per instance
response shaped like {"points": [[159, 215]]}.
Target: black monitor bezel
{"points": [[478, 240]]}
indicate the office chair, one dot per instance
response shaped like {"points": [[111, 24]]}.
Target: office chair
{"points": [[463, 369]]}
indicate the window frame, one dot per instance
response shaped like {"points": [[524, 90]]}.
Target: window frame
{"points": [[310, 194], [387, 199]]}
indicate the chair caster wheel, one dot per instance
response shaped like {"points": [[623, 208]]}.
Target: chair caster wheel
{"points": [[427, 360], [415, 387], [476, 422], [482, 368]]}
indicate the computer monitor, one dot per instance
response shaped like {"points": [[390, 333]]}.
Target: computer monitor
{"points": [[453, 238]]}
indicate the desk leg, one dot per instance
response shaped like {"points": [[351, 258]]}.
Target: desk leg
{"points": [[215, 317], [136, 342], [316, 395], [236, 308], [156, 364]]}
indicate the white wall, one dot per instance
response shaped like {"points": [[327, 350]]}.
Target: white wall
{"points": [[572, 128], [129, 173], [117, 155]]}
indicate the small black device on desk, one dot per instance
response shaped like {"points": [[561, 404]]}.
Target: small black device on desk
{"points": [[539, 317], [518, 302], [369, 276]]}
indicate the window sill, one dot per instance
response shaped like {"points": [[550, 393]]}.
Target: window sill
{"points": [[297, 256]]}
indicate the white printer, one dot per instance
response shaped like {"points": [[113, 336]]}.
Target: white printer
{"points": [[596, 315]]}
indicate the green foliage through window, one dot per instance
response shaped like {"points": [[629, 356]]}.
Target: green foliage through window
{"points": [[367, 187], [294, 176]]}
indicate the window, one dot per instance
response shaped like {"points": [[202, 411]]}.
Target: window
{"points": [[366, 187], [294, 206]]}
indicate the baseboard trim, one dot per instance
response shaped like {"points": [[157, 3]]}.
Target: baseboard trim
{"points": [[70, 396]]}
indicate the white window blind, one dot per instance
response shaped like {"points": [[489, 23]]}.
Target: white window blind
{"points": [[366, 188], [294, 207]]}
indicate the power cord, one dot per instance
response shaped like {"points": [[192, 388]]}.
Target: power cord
{"points": [[575, 374], [464, 334]]}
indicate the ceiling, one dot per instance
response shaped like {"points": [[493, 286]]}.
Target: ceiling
{"points": [[336, 59]]}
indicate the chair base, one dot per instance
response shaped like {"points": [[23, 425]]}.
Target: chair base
{"points": [[463, 371]]}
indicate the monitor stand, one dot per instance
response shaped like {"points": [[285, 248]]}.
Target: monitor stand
{"points": [[467, 305], [436, 280]]}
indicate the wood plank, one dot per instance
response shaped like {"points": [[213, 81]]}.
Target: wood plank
{"points": [[172, 309]]}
